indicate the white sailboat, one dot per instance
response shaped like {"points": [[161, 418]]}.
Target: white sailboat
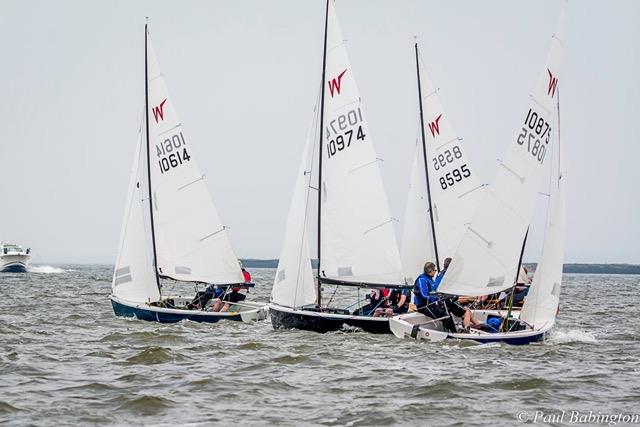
{"points": [[188, 242], [445, 189], [357, 247], [489, 255], [14, 258]]}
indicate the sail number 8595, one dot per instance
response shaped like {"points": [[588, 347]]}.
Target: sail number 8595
{"points": [[456, 175]]}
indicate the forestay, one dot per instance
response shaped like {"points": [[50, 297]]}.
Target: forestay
{"points": [[417, 243], [293, 285], [191, 242], [358, 243], [487, 258], [133, 278], [541, 305]]}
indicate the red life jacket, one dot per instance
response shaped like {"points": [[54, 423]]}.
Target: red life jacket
{"points": [[247, 276]]}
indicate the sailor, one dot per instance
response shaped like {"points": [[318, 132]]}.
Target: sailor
{"points": [[229, 298], [437, 306], [245, 273], [398, 303], [203, 297]]}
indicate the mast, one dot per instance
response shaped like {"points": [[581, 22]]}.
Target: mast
{"points": [[426, 163], [324, 68], [146, 116]]}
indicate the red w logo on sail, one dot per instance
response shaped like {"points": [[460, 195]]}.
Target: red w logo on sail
{"points": [[159, 111], [334, 84], [434, 126], [553, 84]]}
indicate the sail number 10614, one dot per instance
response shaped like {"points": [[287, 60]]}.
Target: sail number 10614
{"points": [[172, 152]]}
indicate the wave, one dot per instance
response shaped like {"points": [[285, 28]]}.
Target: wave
{"points": [[571, 335], [45, 269]]}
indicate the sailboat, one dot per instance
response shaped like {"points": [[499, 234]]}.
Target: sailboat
{"points": [[356, 243], [489, 255], [171, 230]]}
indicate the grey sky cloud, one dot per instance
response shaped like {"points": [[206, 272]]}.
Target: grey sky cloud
{"points": [[244, 76]]}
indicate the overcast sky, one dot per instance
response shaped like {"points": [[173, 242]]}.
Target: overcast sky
{"points": [[244, 77]]}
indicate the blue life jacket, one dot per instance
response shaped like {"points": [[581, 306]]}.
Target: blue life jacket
{"points": [[424, 288]]}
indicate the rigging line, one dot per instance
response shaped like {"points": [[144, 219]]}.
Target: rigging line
{"points": [[332, 295], [313, 127], [426, 163], [134, 199]]}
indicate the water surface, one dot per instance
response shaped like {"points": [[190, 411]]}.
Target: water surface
{"points": [[65, 359]]}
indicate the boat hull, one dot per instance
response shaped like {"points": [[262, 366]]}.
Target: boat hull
{"points": [[168, 315], [14, 263], [421, 328], [322, 322]]}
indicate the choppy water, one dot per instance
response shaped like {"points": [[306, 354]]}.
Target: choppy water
{"points": [[66, 360]]}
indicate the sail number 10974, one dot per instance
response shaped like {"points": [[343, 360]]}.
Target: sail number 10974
{"points": [[343, 131], [172, 152]]}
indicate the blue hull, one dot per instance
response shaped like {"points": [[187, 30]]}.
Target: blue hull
{"points": [[15, 268], [514, 341], [165, 317]]}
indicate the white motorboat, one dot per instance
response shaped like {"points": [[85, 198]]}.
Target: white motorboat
{"points": [[13, 258]]}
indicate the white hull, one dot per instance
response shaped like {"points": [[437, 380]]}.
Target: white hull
{"points": [[422, 328], [14, 262]]}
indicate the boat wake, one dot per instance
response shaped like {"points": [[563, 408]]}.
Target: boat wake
{"points": [[571, 335], [45, 269]]}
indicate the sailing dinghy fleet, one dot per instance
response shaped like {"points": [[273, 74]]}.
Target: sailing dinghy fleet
{"points": [[172, 232]]}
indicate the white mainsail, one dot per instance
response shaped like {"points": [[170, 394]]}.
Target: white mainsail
{"points": [[133, 277], [417, 243], [191, 242], [487, 257], [541, 305], [293, 285], [358, 242], [455, 188]]}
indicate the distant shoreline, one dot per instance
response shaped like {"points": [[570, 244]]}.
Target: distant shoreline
{"points": [[568, 268]]}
